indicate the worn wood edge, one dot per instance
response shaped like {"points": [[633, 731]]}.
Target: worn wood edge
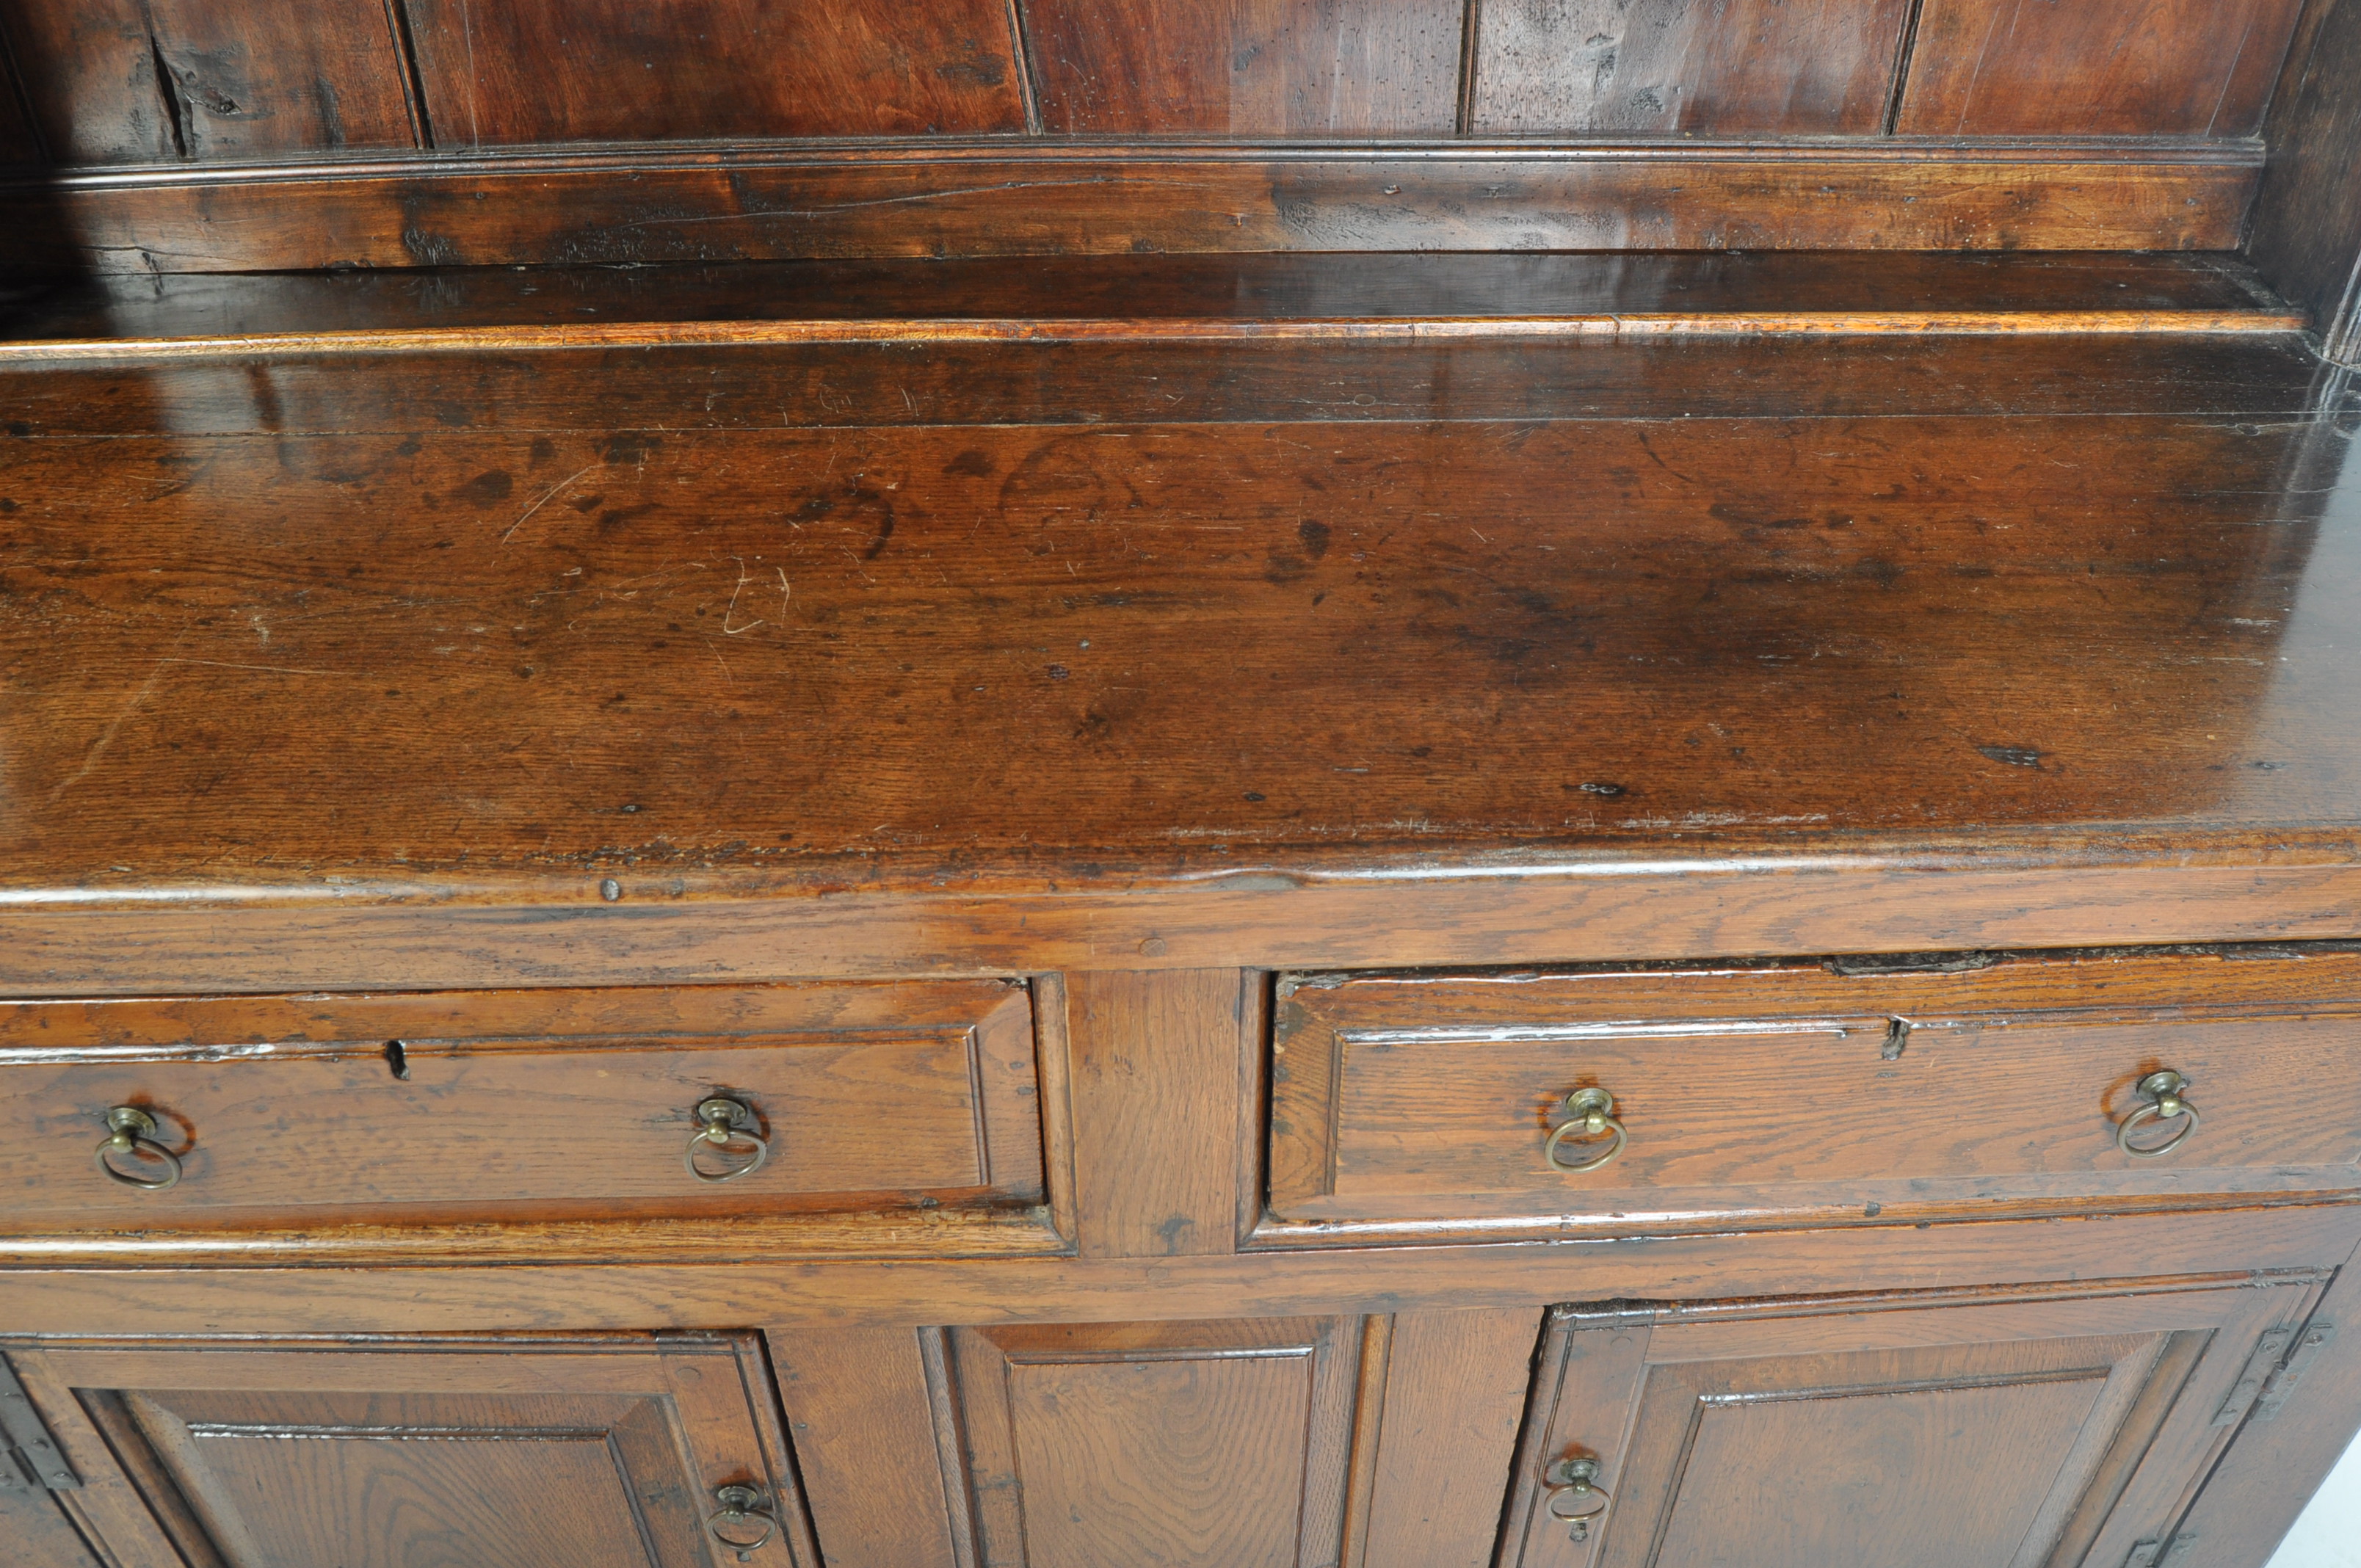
{"points": [[1251, 921], [1275, 1234], [1120, 152], [727, 333], [643, 206], [735, 1292], [903, 1233]]}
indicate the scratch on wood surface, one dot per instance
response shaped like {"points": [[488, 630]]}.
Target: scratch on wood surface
{"points": [[547, 497], [138, 699], [744, 577]]}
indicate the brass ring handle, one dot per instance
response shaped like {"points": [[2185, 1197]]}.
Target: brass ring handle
{"points": [[740, 1505], [2162, 1092], [1574, 1496], [1592, 1111], [131, 1131], [722, 1121]]}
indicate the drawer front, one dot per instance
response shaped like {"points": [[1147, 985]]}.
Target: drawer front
{"points": [[575, 1103], [1791, 1091]]}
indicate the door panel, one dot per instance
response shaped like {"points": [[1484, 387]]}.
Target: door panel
{"points": [[1382, 1442], [1996, 1434], [600, 1453]]}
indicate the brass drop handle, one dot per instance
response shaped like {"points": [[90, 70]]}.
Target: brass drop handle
{"points": [[2162, 1092], [131, 1132], [1574, 1498], [724, 1124], [1592, 1114], [741, 1508]]}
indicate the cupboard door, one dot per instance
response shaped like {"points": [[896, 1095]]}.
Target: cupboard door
{"points": [[586, 1454], [2004, 1433], [1376, 1442]]}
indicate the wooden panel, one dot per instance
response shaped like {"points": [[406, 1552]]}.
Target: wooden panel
{"points": [[604, 1454], [1159, 1075], [2307, 226], [1392, 297], [283, 1284], [1436, 1100], [120, 81], [1161, 1443], [551, 70], [579, 1102], [1454, 1392], [2122, 68], [2288, 1445], [1247, 66], [865, 1445], [2021, 1433], [1580, 550], [1700, 68], [681, 205]]}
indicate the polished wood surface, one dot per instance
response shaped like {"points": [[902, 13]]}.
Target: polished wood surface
{"points": [[450, 1107], [1166, 1442], [877, 1444], [1747, 1092], [987, 197], [562, 70], [1455, 1386], [1267, 68], [595, 1452], [571, 131], [1162, 1086], [1444, 574], [1756, 68], [2131, 68], [118, 81], [2021, 1433], [2307, 224], [1160, 298], [739, 561]]}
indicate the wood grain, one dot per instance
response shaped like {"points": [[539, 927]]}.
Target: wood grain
{"points": [[2307, 222], [540, 1455], [119, 82], [567, 71], [2139, 67], [1159, 299], [1450, 613], [1434, 1100], [2284, 1452], [1167, 1443], [1454, 1391], [1256, 68], [276, 1293], [857, 1411], [988, 197], [1155, 1076], [1685, 67], [449, 1107], [1995, 1418]]}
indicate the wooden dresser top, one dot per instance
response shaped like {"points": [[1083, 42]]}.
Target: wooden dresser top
{"points": [[1160, 597]]}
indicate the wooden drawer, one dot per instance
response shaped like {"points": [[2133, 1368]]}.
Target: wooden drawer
{"points": [[1794, 1092], [559, 1103]]}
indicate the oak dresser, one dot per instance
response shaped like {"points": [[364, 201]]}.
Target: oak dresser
{"points": [[1180, 784]]}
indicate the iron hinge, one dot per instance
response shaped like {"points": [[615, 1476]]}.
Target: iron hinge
{"points": [[33, 1458], [2308, 1346], [2254, 1377], [2173, 1550]]}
